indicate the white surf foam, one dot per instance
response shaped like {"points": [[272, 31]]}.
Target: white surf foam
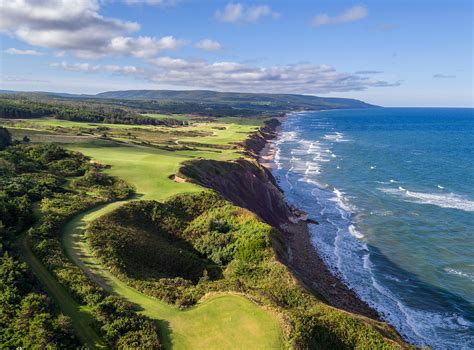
{"points": [[442, 200], [353, 231], [342, 201], [335, 137], [455, 272]]}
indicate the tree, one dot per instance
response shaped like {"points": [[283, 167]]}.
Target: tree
{"points": [[5, 138]]}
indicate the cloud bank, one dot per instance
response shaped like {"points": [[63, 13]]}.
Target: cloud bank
{"points": [[76, 25], [295, 78]]}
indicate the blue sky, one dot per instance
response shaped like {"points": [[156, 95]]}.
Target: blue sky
{"points": [[392, 53]]}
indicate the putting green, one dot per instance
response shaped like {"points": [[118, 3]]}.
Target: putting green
{"points": [[146, 168], [224, 321]]}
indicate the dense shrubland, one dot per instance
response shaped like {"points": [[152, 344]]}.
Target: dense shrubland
{"points": [[35, 193], [191, 245]]}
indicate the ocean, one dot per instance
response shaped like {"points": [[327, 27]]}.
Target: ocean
{"points": [[393, 192]]}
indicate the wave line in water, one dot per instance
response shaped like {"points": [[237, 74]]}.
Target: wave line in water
{"points": [[442, 200]]}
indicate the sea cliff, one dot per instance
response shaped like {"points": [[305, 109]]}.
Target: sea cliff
{"points": [[251, 185]]}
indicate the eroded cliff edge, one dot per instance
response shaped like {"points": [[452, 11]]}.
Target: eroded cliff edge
{"points": [[248, 184]]}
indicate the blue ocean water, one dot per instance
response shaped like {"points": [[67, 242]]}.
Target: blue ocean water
{"points": [[393, 191]]}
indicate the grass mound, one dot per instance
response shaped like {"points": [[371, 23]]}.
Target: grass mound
{"points": [[135, 244], [224, 248]]}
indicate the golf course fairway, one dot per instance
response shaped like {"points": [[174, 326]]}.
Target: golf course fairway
{"points": [[222, 321]]}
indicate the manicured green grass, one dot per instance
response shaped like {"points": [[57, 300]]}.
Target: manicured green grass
{"points": [[168, 116], [223, 321], [146, 168], [222, 133], [225, 131]]}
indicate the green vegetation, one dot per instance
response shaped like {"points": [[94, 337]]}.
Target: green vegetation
{"points": [[191, 271], [123, 106], [5, 138], [23, 108], [193, 245], [220, 320], [36, 174]]}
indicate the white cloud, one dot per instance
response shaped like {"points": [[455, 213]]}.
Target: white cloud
{"points": [[208, 45], [352, 14], [111, 68], [295, 78], [77, 67], [143, 46], [95, 68], [77, 26], [236, 12], [13, 51]]}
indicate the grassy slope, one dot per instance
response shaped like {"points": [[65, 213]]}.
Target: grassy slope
{"points": [[222, 321], [218, 322]]}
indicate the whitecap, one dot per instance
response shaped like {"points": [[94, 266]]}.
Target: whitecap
{"points": [[353, 231], [442, 200], [455, 272], [335, 137]]}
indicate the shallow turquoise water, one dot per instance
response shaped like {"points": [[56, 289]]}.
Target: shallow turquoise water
{"points": [[393, 190]]}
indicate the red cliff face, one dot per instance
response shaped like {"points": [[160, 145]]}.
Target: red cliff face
{"points": [[255, 143], [244, 183]]}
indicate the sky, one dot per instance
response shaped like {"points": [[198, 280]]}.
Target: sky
{"points": [[390, 53]]}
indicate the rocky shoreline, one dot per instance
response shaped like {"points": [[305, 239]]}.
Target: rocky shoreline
{"points": [[302, 259], [249, 183]]}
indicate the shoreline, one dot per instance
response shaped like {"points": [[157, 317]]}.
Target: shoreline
{"points": [[303, 260]]}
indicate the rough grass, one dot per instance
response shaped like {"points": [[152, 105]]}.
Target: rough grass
{"points": [[235, 243], [220, 322]]}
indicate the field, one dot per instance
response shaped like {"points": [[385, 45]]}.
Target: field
{"points": [[145, 156], [141, 155]]}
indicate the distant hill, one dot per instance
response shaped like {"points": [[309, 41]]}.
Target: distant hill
{"points": [[282, 101], [202, 102]]}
